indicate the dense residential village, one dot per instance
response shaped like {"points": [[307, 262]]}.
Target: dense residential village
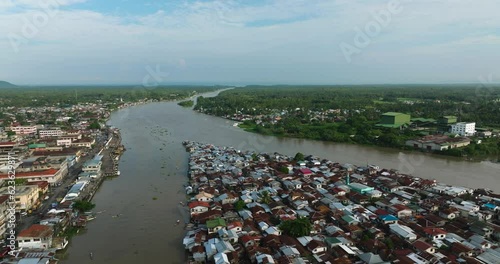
{"points": [[58, 156], [248, 207]]}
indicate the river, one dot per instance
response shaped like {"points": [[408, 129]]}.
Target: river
{"points": [[138, 210]]}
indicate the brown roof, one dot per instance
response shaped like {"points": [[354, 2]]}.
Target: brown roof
{"points": [[36, 231]]}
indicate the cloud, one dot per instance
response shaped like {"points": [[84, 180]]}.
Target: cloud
{"points": [[293, 40]]}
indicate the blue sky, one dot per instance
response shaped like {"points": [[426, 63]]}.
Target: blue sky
{"points": [[249, 42]]}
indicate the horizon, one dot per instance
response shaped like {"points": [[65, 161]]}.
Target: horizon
{"points": [[265, 42], [207, 84]]}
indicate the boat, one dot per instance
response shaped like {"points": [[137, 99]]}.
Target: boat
{"points": [[117, 173]]}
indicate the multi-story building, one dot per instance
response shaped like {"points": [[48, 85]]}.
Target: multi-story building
{"points": [[23, 130], [4, 213], [26, 196], [52, 176], [50, 133], [464, 129], [64, 142]]}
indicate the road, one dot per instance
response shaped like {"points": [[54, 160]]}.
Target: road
{"points": [[56, 193]]}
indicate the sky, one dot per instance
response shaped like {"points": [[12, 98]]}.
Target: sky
{"points": [[150, 42]]}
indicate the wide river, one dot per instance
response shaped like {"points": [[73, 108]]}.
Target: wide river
{"points": [[137, 211]]}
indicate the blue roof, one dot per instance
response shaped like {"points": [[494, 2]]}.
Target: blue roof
{"points": [[388, 218], [491, 206]]}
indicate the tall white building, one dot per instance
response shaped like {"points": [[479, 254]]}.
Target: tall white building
{"points": [[50, 133], [464, 129]]}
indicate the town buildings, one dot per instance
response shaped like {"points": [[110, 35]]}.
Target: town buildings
{"points": [[464, 129], [357, 214]]}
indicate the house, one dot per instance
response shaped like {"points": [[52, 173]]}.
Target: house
{"points": [[36, 236], [423, 246], [317, 247], [400, 210], [461, 250], [264, 259], [388, 219], [402, 231], [221, 258], [204, 197], [197, 207], [434, 233], [215, 225], [449, 213], [370, 258]]}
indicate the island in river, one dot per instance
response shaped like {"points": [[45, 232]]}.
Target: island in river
{"points": [[249, 207]]}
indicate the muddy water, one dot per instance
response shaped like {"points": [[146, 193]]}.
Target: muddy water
{"points": [[139, 209]]}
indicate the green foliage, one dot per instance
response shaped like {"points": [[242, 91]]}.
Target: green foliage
{"points": [[83, 206], [187, 103], [298, 157], [66, 96], [389, 243], [95, 125], [284, 169], [18, 181], [296, 228], [265, 197], [239, 205], [348, 114]]}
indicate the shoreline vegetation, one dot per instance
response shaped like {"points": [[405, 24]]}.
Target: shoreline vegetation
{"points": [[187, 103], [351, 114]]}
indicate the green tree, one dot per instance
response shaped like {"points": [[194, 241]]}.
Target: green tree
{"points": [[284, 169], [265, 197], [20, 181], [95, 125], [83, 206], [239, 205], [297, 228], [298, 157]]}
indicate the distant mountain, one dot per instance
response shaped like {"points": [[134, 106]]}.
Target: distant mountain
{"points": [[4, 84]]}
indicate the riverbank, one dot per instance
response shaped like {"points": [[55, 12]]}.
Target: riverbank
{"points": [[459, 153], [254, 206]]}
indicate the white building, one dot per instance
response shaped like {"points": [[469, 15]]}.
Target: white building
{"points": [[403, 232], [36, 236], [464, 129], [64, 142], [50, 133], [23, 130]]}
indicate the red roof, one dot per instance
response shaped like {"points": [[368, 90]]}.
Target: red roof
{"points": [[433, 231], [36, 231], [41, 184], [49, 173], [400, 207], [4, 198], [7, 144], [305, 171], [198, 203], [422, 245]]}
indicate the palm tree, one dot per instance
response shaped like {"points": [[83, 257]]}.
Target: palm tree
{"points": [[265, 197]]}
